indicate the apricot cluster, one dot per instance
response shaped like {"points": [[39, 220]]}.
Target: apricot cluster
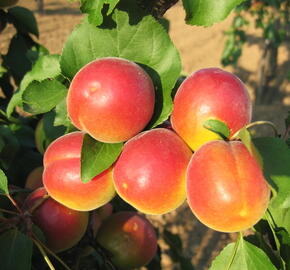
{"points": [[226, 189], [112, 100]]}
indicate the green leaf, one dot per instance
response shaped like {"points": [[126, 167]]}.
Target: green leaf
{"points": [[3, 183], [276, 159], [15, 251], [14, 101], [46, 66], [94, 9], [16, 60], [246, 257], [217, 127], [52, 131], [284, 239], [41, 97], [244, 135], [61, 116], [11, 148], [46, 131], [97, 156], [208, 12], [23, 20], [142, 40], [2, 144], [281, 217]]}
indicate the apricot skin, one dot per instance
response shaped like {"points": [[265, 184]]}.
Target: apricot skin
{"points": [[129, 238], [34, 178], [150, 172], [209, 93], [226, 189], [112, 99], [62, 227], [61, 176]]}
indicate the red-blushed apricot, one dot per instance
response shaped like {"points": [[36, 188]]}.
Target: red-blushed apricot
{"points": [[129, 238], [98, 216], [209, 93], [34, 178], [61, 176], [62, 227], [226, 189], [111, 98], [105, 211], [150, 172]]}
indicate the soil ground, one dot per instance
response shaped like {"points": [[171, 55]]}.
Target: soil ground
{"points": [[199, 47]]}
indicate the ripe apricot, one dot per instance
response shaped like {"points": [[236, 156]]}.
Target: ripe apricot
{"points": [[226, 189], [129, 238], [150, 172], [209, 93], [34, 178], [111, 98], [62, 227], [62, 180]]}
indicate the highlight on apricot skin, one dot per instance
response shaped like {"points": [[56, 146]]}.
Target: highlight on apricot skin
{"points": [[111, 98], [150, 172], [209, 93], [62, 180], [62, 227], [129, 238], [226, 189]]}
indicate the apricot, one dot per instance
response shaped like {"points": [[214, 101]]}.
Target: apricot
{"points": [[105, 211], [209, 93], [226, 189], [34, 178], [129, 238], [150, 172], [62, 227], [112, 99], [62, 180], [99, 215]]}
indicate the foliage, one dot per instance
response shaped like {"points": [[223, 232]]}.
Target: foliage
{"points": [[271, 17]]}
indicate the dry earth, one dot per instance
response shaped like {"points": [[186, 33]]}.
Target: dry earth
{"points": [[199, 47]]}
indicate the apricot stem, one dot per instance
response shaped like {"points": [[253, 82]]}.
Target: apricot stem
{"points": [[51, 253], [39, 202], [235, 251], [259, 123], [8, 211], [272, 226], [286, 133], [14, 203], [47, 260]]}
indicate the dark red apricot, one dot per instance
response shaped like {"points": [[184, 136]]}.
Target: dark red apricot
{"points": [[129, 238], [62, 227]]}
